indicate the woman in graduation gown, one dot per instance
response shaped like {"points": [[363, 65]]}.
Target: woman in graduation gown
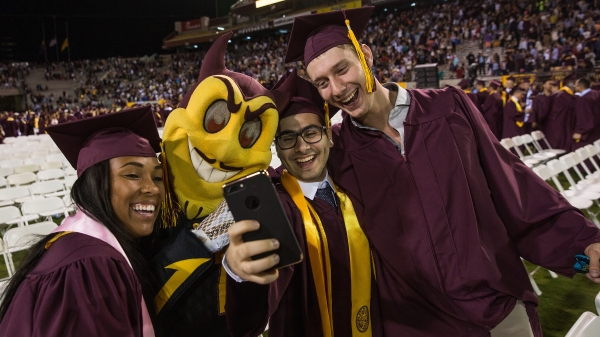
{"points": [[88, 276]]}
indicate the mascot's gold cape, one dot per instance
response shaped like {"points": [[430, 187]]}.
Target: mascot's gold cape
{"points": [[222, 130]]}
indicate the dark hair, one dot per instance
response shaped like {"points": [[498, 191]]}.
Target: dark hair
{"points": [[91, 194], [584, 82]]}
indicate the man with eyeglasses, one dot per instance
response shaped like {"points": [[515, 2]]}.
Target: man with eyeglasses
{"points": [[329, 293]]}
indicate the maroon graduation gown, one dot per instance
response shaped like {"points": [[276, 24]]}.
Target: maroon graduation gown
{"points": [[81, 287], [511, 117], [492, 113], [540, 111], [474, 99], [560, 125], [481, 97], [449, 222], [587, 118], [290, 304]]}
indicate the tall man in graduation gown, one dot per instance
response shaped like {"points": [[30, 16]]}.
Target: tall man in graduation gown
{"points": [[482, 93], [587, 114], [465, 85], [542, 103], [493, 108], [439, 198], [561, 120], [329, 292], [514, 115]]}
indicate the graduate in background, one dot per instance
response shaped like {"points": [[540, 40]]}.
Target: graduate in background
{"points": [[587, 114], [440, 199], [561, 119], [514, 115], [493, 108]]}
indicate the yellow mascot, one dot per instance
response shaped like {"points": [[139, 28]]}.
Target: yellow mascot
{"points": [[222, 131]]}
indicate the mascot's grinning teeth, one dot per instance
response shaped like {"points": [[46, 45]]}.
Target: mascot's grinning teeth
{"points": [[205, 170]]}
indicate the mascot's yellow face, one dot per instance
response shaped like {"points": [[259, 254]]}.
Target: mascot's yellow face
{"points": [[219, 137]]}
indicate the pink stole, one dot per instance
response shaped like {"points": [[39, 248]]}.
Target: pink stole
{"points": [[82, 223]]}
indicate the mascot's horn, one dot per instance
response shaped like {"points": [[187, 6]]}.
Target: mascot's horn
{"points": [[214, 61], [212, 64]]}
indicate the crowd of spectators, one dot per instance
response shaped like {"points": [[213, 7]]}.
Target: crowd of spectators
{"points": [[506, 37], [13, 75]]}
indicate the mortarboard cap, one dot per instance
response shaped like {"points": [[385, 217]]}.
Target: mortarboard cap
{"points": [[480, 82], [570, 78], [89, 141], [314, 34], [495, 84], [305, 98], [464, 84], [526, 80]]}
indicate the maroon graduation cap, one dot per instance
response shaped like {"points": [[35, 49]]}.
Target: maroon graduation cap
{"points": [[89, 141], [314, 34], [495, 84], [305, 97], [464, 84]]}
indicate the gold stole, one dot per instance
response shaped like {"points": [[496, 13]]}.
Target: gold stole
{"points": [[482, 90], [503, 98], [467, 91], [519, 109], [318, 252], [567, 90]]}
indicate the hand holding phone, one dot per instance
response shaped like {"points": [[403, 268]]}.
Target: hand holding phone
{"points": [[254, 198]]}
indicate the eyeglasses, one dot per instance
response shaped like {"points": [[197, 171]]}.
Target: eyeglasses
{"points": [[310, 134]]}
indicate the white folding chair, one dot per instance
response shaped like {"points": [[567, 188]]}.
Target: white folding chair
{"points": [[11, 163], [5, 171], [2, 181], [10, 195], [70, 171], [50, 174], [510, 144], [49, 165], [551, 172], [46, 207], [26, 168], [542, 155], [57, 157], [588, 324], [589, 153], [34, 160], [9, 140], [571, 161], [49, 188], [21, 179], [538, 136], [11, 215], [21, 238], [69, 181], [69, 205]]}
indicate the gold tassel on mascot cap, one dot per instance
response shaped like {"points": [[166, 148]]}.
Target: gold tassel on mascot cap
{"points": [[370, 79]]}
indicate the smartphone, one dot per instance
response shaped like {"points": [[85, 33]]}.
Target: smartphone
{"points": [[254, 198]]}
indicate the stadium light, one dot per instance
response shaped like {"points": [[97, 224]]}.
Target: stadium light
{"points": [[220, 28], [263, 3], [413, 4]]}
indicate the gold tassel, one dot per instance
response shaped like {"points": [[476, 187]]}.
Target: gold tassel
{"points": [[370, 79], [327, 122], [170, 207]]}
